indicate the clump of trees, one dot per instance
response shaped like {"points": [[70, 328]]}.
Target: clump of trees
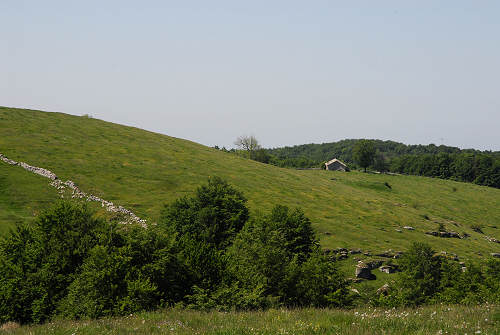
{"points": [[427, 277], [205, 252], [466, 165]]}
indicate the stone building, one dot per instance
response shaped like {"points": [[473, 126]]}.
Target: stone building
{"points": [[336, 165]]}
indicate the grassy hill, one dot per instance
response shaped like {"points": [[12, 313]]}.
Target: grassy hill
{"points": [[142, 171]]}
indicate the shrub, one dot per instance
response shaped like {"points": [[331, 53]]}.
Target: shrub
{"points": [[140, 272], [205, 225], [279, 255], [421, 275], [38, 264], [214, 215]]}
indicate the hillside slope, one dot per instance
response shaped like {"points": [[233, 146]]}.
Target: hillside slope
{"points": [[142, 171]]}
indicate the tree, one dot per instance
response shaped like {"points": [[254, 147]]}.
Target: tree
{"points": [[364, 153], [420, 274], [214, 215], [280, 255], [380, 163], [248, 143], [37, 262], [205, 225]]}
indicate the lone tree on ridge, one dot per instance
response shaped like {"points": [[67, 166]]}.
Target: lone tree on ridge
{"points": [[364, 153], [248, 143]]}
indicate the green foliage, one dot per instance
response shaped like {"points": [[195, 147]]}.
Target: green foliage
{"points": [[296, 229], [480, 167], [38, 264], [279, 255], [214, 215], [462, 287], [139, 270], [380, 163], [260, 155], [364, 153], [205, 226], [421, 275], [73, 264], [427, 277]]}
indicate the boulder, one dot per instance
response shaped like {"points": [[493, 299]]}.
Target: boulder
{"points": [[342, 256], [448, 234], [398, 254], [495, 254], [384, 290], [364, 272], [386, 254], [374, 264], [409, 228], [387, 269]]}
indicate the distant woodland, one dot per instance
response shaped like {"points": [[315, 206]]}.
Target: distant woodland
{"points": [[467, 165]]}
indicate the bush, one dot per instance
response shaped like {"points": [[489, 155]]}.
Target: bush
{"points": [[214, 215], [140, 272], [38, 264], [279, 255], [421, 275]]}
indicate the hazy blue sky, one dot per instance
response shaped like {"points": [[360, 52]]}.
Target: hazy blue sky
{"points": [[289, 72]]}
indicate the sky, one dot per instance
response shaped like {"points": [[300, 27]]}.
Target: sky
{"points": [[288, 72]]}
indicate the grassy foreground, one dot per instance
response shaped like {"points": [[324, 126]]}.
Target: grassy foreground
{"points": [[142, 171], [423, 320]]}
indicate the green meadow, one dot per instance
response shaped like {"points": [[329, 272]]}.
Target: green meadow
{"points": [[439, 319], [142, 171]]}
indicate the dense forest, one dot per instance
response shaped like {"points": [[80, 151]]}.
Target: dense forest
{"points": [[468, 165]]}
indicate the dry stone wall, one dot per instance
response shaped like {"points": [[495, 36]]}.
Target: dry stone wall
{"points": [[75, 191]]}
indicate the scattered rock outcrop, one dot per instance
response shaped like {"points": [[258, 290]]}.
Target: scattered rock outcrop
{"points": [[492, 239], [76, 192], [445, 234], [390, 254]]}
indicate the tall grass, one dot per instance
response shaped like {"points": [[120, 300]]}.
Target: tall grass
{"points": [[424, 320]]}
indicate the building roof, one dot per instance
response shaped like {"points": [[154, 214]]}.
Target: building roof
{"points": [[335, 160]]}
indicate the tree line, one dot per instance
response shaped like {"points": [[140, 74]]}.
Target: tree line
{"points": [[205, 252], [467, 165]]}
